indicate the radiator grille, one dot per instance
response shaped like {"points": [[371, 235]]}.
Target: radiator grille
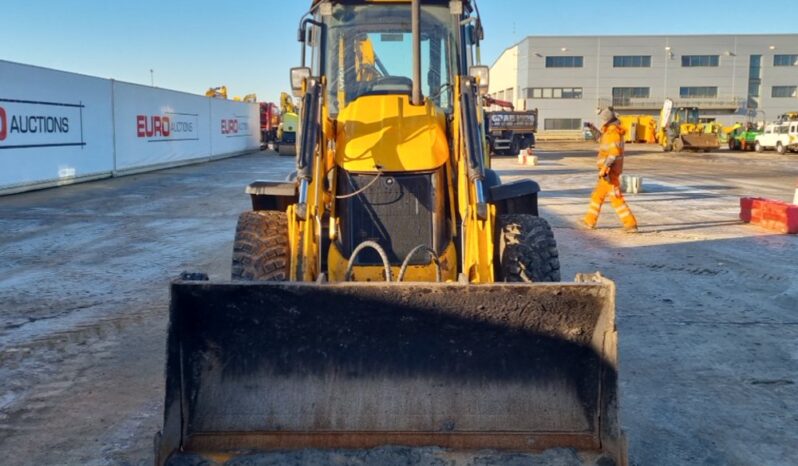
{"points": [[397, 212]]}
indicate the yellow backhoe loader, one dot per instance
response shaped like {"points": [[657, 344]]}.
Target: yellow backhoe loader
{"points": [[679, 129], [393, 291]]}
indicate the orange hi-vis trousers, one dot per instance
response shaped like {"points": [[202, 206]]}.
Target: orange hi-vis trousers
{"points": [[613, 188]]}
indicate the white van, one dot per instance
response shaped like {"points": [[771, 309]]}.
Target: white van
{"points": [[781, 137]]}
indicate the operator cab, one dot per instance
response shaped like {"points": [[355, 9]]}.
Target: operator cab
{"points": [[369, 46]]}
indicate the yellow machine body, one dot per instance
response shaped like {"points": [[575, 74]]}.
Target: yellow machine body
{"points": [[367, 339]]}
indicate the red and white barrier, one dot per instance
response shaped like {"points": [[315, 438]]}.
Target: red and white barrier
{"points": [[771, 214]]}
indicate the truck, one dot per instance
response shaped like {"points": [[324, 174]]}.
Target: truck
{"points": [[781, 137], [269, 121], [509, 131]]}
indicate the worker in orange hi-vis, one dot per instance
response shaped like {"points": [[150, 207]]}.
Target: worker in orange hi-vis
{"points": [[610, 166]]}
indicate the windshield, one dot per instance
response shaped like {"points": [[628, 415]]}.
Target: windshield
{"points": [[370, 50]]}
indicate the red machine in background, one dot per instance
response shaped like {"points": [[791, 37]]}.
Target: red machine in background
{"points": [[269, 121]]}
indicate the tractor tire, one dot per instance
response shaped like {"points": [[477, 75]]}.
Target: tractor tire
{"points": [[780, 148], [261, 251], [678, 144], [526, 250]]}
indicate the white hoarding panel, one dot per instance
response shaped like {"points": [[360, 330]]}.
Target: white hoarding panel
{"points": [[55, 127], [155, 127], [235, 127]]}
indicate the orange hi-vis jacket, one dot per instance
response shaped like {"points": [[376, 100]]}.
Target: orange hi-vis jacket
{"points": [[611, 148]]}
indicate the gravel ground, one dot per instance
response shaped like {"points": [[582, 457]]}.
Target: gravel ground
{"points": [[706, 306]]}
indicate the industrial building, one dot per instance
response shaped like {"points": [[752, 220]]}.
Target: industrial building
{"points": [[730, 78]]}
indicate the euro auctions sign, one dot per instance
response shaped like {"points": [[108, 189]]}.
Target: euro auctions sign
{"points": [[170, 126], [28, 124], [237, 126]]}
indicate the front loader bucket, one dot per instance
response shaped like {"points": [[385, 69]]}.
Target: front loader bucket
{"points": [[282, 366], [701, 141]]}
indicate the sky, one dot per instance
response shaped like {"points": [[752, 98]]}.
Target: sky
{"points": [[249, 45]]}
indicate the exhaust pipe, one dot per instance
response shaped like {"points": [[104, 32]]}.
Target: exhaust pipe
{"points": [[417, 97]]}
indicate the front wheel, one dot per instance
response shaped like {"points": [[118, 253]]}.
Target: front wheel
{"points": [[526, 249], [758, 147], [780, 148], [261, 251]]}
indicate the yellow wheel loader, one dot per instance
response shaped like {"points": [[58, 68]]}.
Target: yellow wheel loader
{"points": [[679, 129], [393, 291]]}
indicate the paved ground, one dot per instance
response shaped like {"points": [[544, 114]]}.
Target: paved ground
{"points": [[706, 306]]}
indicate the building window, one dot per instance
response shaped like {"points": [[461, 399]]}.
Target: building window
{"points": [[785, 91], [631, 92], [785, 60], [564, 62], [754, 80], [698, 92], [622, 95], [554, 93], [700, 60], [510, 94], [562, 124], [631, 61]]}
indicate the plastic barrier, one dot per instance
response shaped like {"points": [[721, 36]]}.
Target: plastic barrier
{"points": [[771, 214]]}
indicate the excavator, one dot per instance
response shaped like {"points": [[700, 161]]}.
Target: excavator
{"points": [[219, 92], [679, 129], [393, 291]]}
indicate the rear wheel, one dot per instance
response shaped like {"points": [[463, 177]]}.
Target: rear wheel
{"points": [[261, 251], [527, 250], [678, 144], [286, 149], [515, 146]]}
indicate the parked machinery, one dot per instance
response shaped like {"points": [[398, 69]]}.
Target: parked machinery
{"points": [[680, 129], [742, 136], [639, 128], [269, 121], [509, 131], [318, 344], [217, 92], [285, 139], [781, 137]]}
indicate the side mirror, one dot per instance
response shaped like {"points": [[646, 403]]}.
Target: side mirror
{"points": [[482, 74], [298, 77]]}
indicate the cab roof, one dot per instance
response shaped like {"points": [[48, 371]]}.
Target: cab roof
{"points": [[468, 4]]}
